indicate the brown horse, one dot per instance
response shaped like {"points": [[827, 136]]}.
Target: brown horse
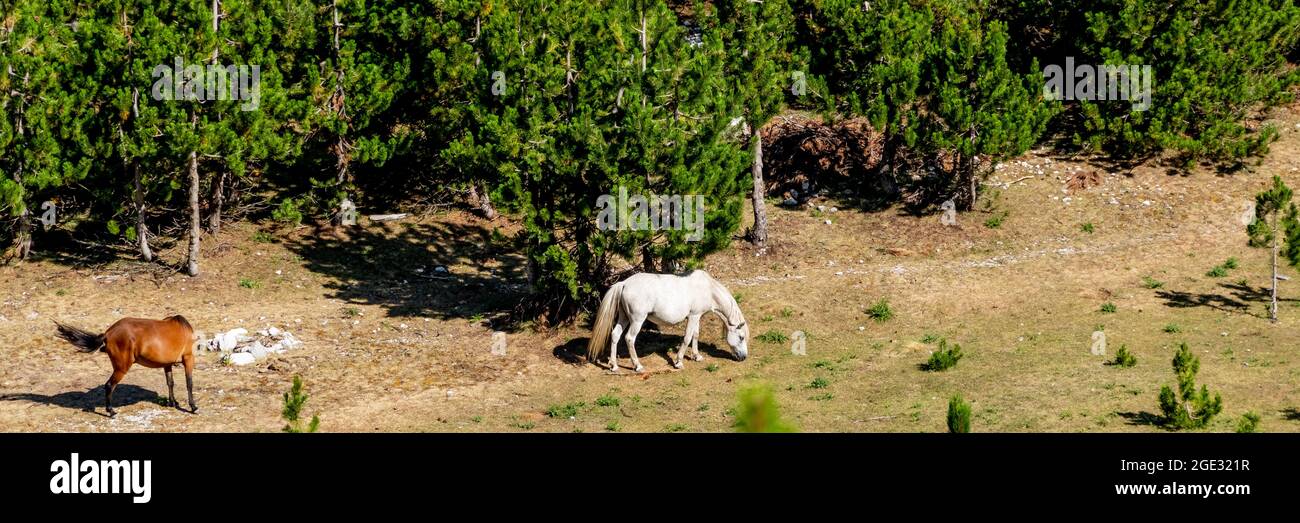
{"points": [[152, 343]]}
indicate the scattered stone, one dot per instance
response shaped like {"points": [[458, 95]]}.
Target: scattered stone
{"points": [[828, 222], [799, 343], [239, 358], [1098, 343], [498, 343]]}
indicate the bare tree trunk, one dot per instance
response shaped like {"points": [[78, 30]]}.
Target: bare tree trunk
{"points": [[195, 220], [141, 229], [1273, 307], [219, 188], [218, 198], [759, 235], [481, 201], [23, 240]]}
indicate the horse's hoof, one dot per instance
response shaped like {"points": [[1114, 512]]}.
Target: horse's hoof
{"points": [[640, 368], [194, 409], [698, 357], [112, 413], [677, 364], [612, 370]]}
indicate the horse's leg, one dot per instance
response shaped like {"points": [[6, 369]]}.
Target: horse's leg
{"points": [[188, 361], [633, 328], [691, 325], [614, 335], [695, 337], [110, 387], [171, 387]]}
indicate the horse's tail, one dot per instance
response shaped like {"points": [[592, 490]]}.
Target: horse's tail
{"points": [[604, 322], [82, 339]]}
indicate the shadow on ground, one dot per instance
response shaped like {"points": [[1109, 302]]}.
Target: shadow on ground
{"points": [[1238, 298], [91, 400], [1143, 418], [398, 266], [648, 343]]}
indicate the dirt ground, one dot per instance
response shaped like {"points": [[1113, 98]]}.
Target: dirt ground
{"points": [[390, 348]]}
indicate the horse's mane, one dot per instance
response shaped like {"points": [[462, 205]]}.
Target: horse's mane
{"points": [[731, 309]]}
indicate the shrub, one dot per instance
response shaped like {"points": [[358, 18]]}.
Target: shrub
{"points": [[944, 358], [1087, 227], [958, 415], [1123, 358], [1230, 263], [881, 311], [819, 383], [1249, 422], [608, 400], [1152, 283], [996, 220], [294, 401], [773, 336], [287, 212], [1217, 272], [758, 412], [1108, 308], [787, 312], [1173, 328], [1189, 408], [567, 410]]}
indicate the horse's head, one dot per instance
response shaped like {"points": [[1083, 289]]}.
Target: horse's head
{"points": [[738, 338]]}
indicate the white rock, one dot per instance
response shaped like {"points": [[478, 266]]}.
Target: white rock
{"points": [[259, 351], [240, 358], [828, 222], [289, 342], [274, 332]]}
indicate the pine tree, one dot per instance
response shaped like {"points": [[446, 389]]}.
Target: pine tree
{"points": [[1188, 408], [574, 101], [935, 79], [761, 60], [1265, 232], [1214, 64], [43, 145]]}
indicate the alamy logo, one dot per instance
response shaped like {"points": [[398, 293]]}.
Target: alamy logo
{"points": [[198, 82], [102, 477], [1101, 82], [641, 213]]}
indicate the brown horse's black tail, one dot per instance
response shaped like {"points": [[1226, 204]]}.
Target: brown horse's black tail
{"points": [[85, 340]]}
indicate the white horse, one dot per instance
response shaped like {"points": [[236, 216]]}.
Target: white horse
{"points": [[665, 299]]}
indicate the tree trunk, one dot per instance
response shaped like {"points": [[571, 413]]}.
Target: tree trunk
{"points": [[23, 239], [141, 229], [759, 234], [1273, 307], [481, 201], [195, 220], [218, 199]]}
